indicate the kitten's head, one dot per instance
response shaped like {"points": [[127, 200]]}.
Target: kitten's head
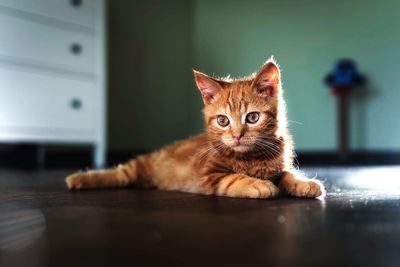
{"points": [[241, 115]]}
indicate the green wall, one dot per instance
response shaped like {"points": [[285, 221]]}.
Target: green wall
{"points": [[306, 37], [150, 78], [154, 44]]}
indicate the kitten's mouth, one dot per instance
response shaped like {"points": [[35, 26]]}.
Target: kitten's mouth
{"points": [[240, 147]]}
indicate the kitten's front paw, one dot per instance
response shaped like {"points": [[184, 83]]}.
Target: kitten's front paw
{"points": [[261, 189], [307, 189], [76, 180]]}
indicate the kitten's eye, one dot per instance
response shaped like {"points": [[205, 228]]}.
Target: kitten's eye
{"points": [[223, 120], [252, 117]]}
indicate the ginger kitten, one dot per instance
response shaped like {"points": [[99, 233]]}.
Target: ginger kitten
{"points": [[245, 152]]}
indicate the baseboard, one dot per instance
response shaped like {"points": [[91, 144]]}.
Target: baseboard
{"points": [[30, 157], [355, 158], [34, 157]]}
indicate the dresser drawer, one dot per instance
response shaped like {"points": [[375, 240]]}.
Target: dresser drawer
{"points": [[36, 100], [44, 44], [76, 11]]}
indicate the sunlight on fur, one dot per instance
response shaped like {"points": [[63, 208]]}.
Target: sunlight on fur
{"points": [[246, 150]]}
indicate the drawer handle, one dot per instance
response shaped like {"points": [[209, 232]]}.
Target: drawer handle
{"points": [[76, 103], [76, 3], [76, 48]]}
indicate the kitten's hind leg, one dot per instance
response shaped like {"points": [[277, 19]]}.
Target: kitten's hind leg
{"points": [[296, 184], [120, 176]]}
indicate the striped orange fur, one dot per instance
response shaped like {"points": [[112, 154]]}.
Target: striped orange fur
{"points": [[245, 152]]}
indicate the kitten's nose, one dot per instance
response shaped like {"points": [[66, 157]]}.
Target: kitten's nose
{"points": [[237, 137]]}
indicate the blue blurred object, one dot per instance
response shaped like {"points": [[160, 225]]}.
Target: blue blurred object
{"points": [[345, 75]]}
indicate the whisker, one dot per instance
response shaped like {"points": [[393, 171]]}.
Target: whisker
{"points": [[270, 146], [296, 122], [266, 153]]}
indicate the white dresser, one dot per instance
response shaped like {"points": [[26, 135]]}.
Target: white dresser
{"points": [[52, 73]]}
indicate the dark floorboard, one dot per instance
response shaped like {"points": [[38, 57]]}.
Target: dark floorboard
{"points": [[42, 224]]}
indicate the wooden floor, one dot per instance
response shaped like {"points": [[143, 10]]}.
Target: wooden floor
{"points": [[42, 224]]}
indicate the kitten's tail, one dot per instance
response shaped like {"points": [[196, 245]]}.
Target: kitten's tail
{"points": [[138, 170]]}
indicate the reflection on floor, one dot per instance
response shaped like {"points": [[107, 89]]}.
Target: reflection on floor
{"points": [[42, 224]]}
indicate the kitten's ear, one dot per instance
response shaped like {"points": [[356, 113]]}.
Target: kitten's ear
{"points": [[208, 87], [268, 79]]}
